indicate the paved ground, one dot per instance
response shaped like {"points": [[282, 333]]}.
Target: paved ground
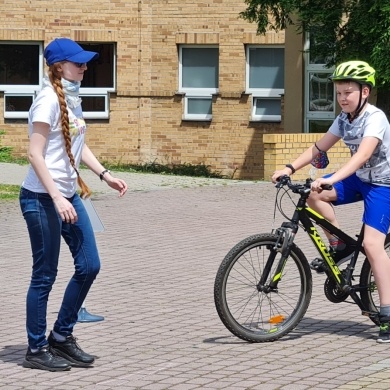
{"points": [[160, 251]]}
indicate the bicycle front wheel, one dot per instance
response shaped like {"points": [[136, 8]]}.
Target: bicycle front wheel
{"points": [[255, 314]]}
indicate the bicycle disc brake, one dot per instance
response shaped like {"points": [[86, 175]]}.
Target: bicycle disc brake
{"points": [[333, 292]]}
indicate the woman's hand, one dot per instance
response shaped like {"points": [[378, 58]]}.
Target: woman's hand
{"points": [[65, 209], [115, 183]]}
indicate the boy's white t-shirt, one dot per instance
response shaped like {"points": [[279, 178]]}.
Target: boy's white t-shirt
{"points": [[46, 108], [372, 123]]}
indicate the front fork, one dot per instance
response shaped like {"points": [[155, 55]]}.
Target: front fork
{"points": [[285, 238]]}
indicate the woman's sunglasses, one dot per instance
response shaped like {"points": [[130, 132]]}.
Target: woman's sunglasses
{"points": [[80, 65]]}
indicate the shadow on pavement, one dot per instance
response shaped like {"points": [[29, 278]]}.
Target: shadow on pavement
{"points": [[310, 326], [13, 354]]}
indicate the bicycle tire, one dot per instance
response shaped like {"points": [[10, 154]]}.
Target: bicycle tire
{"points": [[370, 296], [256, 316]]}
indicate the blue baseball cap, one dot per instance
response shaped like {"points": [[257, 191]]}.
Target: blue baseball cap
{"points": [[64, 49]]}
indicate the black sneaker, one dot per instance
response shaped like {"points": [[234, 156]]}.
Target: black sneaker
{"points": [[339, 256], [45, 359], [71, 351], [384, 330]]}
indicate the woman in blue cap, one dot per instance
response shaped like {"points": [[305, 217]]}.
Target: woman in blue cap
{"points": [[53, 209]]}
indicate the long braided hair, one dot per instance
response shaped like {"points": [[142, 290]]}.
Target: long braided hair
{"points": [[55, 79]]}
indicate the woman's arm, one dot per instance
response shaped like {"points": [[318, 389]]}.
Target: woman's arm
{"points": [[89, 159], [37, 145]]}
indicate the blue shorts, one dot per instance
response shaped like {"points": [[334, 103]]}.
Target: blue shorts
{"points": [[376, 200]]}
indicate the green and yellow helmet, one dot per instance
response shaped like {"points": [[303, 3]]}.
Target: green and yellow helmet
{"points": [[358, 71]]}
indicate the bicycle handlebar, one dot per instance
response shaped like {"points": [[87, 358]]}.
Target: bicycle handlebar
{"points": [[299, 188]]}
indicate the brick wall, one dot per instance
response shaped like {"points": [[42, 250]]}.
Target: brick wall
{"points": [[146, 115], [282, 149]]}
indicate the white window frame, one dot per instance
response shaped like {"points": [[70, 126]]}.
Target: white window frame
{"points": [[194, 93], [27, 87], [101, 92], [263, 118], [23, 90], [98, 114], [32, 90], [197, 95], [8, 114], [309, 69], [262, 93]]}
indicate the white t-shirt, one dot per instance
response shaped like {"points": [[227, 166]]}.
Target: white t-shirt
{"points": [[372, 123], [46, 109]]}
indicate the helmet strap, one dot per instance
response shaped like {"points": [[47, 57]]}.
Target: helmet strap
{"points": [[359, 107]]}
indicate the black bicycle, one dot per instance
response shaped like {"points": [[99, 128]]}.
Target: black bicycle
{"points": [[263, 286]]}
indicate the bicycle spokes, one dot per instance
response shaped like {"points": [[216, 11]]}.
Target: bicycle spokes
{"points": [[254, 311]]}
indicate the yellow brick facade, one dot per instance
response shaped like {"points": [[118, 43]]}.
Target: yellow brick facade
{"points": [[282, 149], [145, 121]]}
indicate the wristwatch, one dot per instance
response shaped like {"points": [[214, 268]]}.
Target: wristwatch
{"points": [[103, 173], [291, 167]]}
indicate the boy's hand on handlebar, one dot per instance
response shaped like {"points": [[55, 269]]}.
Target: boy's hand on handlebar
{"points": [[321, 184], [277, 174]]}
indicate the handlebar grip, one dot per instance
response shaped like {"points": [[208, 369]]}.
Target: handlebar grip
{"points": [[327, 187], [282, 180]]}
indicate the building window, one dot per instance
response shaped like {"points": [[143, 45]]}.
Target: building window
{"points": [[21, 65], [99, 80], [319, 91], [319, 126], [21, 74], [266, 109], [17, 105], [265, 81], [101, 72], [95, 106], [198, 80]]}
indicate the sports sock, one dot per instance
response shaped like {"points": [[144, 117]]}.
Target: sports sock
{"points": [[337, 244], [384, 311], [58, 337]]}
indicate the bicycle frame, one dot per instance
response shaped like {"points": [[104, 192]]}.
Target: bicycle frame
{"points": [[305, 216]]}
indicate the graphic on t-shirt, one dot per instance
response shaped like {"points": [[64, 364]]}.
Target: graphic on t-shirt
{"points": [[77, 127], [376, 168], [352, 131]]}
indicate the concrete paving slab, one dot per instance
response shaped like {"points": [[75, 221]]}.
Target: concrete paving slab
{"points": [[160, 253]]}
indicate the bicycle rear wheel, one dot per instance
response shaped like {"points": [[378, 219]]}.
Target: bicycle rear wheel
{"points": [[370, 296], [260, 316]]}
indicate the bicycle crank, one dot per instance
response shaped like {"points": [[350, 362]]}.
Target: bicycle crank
{"points": [[333, 292]]}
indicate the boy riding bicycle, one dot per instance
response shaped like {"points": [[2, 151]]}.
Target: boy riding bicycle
{"points": [[365, 130]]}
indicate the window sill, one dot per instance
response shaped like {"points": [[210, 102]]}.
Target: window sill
{"points": [[184, 119], [251, 120]]}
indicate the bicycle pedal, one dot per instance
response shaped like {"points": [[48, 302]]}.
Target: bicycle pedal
{"points": [[370, 314]]}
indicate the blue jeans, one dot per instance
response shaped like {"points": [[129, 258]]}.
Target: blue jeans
{"points": [[45, 228]]}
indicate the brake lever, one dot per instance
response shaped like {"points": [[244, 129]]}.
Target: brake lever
{"points": [[282, 180]]}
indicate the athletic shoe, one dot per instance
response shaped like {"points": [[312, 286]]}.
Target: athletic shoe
{"points": [[70, 350], [45, 359], [384, 330]]}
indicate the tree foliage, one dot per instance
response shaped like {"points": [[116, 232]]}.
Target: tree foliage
{"points": [[344, 29]]}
